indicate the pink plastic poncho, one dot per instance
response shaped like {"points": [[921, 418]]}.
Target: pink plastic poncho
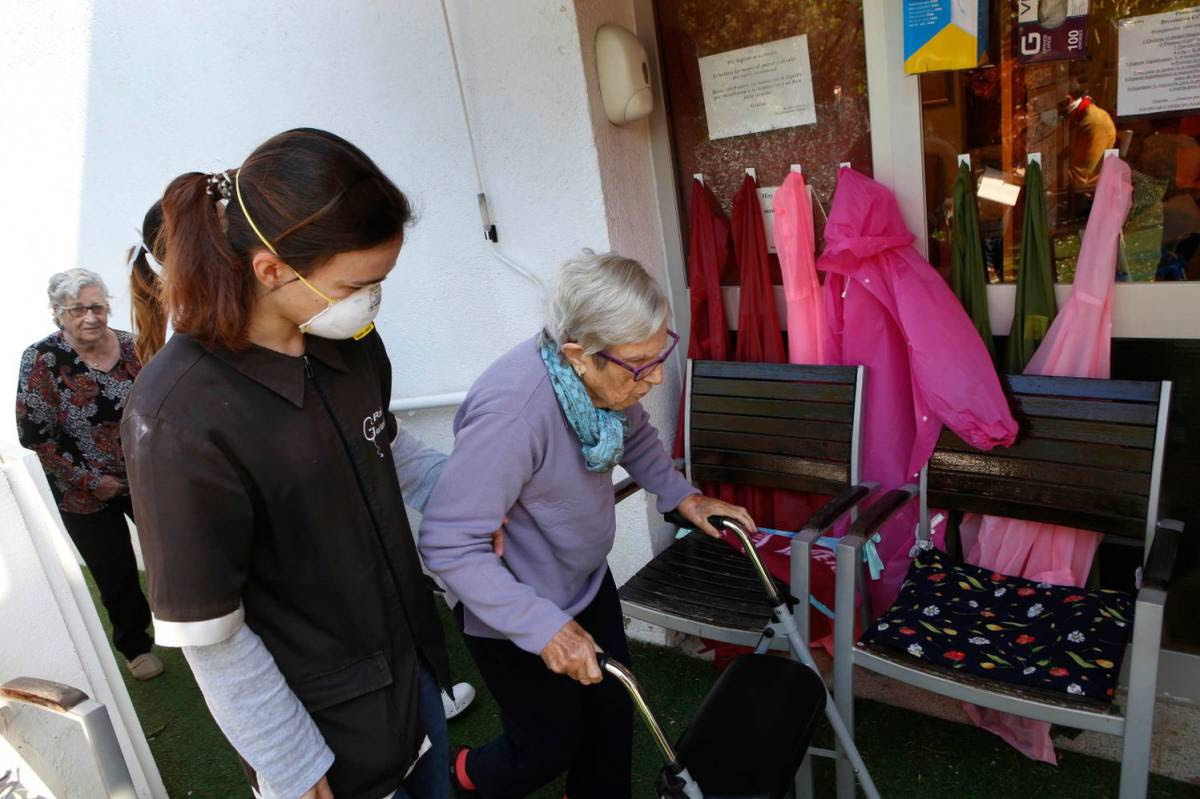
{"points": [[1077, 345], [887, 308], [795, 245]]}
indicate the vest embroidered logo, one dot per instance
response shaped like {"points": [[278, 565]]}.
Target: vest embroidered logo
{"points": [[372, 427]]}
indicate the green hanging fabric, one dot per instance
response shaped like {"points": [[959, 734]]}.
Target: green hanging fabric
{"points": [[968, 278], [1036, 307]]}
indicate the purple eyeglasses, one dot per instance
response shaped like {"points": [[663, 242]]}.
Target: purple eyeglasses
{"points": [[641, 371]]}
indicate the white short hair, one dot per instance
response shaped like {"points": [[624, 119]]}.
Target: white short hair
{"points": [[68, 285], [604, 300]]}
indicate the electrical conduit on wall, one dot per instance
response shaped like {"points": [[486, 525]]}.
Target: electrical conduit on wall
{"points": [[452, 399]]}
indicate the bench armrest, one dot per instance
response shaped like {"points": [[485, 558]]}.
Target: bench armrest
{"points": [[628, 487], [883, 509], [832, 511], [1161, 560]]}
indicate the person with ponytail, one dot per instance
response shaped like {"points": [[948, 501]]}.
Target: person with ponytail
{"points": [[268, 484], [148, 318]]}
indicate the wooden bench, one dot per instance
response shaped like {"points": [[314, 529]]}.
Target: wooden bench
{"points": [[774, 425], [1089, 455]]}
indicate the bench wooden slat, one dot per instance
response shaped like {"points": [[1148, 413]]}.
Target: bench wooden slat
{"points": [[775, 371], [1048, 474], [1104, 503], [699, 580], [1094, 432], [792, 482], [716, 598], [779, 445], [689, 609], [1122, 526], [817, 431], [1089, 387], [774, 389], [1135, 413], [761, 461], [1079, 453], [707, 562], [774, 409]]}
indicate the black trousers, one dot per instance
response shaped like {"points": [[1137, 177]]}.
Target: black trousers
{"points": [[552, 723], [103, 540]]}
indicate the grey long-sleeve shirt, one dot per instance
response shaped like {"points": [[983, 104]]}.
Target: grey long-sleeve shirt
{"points": [[248, 696]]}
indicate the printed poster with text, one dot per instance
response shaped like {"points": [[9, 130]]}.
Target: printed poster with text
{"points": [[758, 88], [1158, 63]]}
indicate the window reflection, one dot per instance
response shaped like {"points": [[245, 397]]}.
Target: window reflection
{"points": [[1067, 112]]}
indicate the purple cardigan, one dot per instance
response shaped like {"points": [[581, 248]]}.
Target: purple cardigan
{"points": [[515, 456]]}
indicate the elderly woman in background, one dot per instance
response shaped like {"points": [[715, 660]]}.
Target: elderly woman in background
{"points": [[72, 391], [535, 442]]}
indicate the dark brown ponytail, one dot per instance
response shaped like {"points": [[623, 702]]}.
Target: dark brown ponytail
{"points": [[312, 194], [149, 317]]}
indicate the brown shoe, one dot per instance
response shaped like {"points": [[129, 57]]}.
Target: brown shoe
{"points": [[146, 666]]}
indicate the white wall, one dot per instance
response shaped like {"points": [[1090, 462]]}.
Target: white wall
{"points": [[635, 227], [114, 99]]}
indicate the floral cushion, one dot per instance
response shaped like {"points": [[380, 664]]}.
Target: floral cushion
{"points": [[1052, 637]]}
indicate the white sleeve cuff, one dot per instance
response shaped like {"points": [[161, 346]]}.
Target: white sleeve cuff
{"points": [[198, 633]]}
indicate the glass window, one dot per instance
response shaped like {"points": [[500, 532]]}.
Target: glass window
{"points": [[1067, 111], [689, 30]]}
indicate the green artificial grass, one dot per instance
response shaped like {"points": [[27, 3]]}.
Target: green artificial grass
{"points": [[909, 754]]}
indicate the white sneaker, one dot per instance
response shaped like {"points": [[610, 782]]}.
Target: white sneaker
{"points": [[464, 695], [145, 666]]}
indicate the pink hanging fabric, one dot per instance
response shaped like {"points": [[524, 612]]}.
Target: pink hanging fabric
{"points": [[1078, 344], [887, 308], [794, 243]]}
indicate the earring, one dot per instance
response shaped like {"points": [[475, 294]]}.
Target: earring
{"points": [[579, 370]]}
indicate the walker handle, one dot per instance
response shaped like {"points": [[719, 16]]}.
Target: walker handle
{"points": [[625, 677]]}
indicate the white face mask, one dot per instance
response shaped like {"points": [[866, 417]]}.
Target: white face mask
{"points": [[350, 317]]}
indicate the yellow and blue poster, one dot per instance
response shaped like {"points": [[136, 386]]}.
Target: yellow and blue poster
{"points": [[944, 34]]}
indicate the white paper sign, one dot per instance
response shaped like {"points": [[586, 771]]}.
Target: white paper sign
{"points": [[1158, 63], [763, 87], [766, 200]]}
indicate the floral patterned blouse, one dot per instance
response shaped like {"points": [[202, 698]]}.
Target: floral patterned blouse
{"points": [[70, 415]]}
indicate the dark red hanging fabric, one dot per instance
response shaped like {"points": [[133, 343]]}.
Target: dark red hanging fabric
{"points": [[759, 338], [708, 250]]}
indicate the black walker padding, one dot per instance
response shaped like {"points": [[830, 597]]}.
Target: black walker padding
{"points": [[753, 729]]}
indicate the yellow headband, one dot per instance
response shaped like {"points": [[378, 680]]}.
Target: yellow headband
{"points": [[237, 187]]}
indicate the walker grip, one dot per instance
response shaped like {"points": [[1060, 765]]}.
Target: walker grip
{"points": [[679, 520]]}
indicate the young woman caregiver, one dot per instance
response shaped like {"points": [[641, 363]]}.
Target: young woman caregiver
{"points": [[272, 521]]}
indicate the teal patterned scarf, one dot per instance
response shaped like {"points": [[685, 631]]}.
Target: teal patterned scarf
{"points": [[601, 431]]}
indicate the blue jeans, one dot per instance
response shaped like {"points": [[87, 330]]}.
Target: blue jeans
{"points": [[430, 779]]}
